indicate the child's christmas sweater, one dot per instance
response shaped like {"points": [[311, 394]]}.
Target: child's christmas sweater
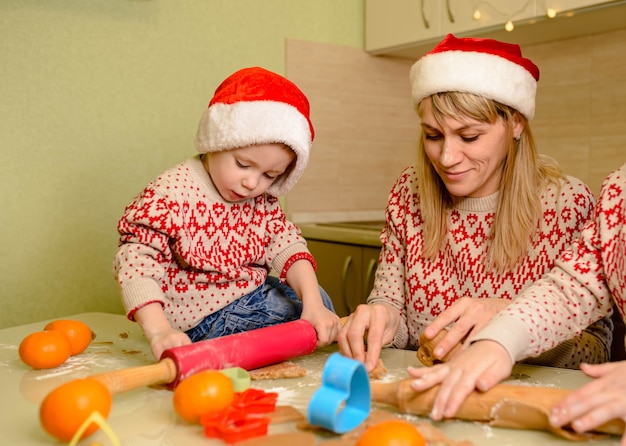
{"points": [[183, 246]]}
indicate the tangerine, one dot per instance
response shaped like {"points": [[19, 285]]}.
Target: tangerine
{"points": [[392, 433], [45, 349], [65, 409], [203, 393], [77, 332]]}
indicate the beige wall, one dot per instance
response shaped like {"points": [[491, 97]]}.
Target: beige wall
{"points": [[100, 96], [581, 104], [367, 131], [97, 98]]}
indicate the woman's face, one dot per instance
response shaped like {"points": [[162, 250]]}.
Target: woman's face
{"points": [[468, 155]]}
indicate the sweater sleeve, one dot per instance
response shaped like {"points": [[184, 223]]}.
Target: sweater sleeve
{"points": [[284, 240], [560, 305], [144, 253], [390, 274]]}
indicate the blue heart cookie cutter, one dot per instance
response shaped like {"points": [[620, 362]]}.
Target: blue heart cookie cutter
{"points": [[344, 399]]}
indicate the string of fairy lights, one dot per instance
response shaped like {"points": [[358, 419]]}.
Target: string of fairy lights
{"points": [[509, 17], [484, 8]]}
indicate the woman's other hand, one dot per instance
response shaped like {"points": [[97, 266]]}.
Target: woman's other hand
{"points": [[463, 318]]}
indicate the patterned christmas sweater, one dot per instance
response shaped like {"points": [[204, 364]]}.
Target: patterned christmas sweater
{"points": [[420, 289], [183, 246], [578, 290]]}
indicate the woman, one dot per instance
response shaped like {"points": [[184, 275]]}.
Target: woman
{"points": [[588, 275], [481, 215]]}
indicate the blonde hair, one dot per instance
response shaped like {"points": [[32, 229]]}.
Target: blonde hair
{"points": [[525, 174]]}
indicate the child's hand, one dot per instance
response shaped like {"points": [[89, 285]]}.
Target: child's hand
{"points": [[326, 323], [597, 402], [481, 366], [158, 330], [161, 341]]}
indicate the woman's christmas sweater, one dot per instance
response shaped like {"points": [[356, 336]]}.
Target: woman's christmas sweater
{"points": [[420, 289], [183, 246], [587, 280]]}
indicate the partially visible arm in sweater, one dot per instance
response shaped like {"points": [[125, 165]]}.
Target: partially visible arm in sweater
{"points": [[558, 306], [301, 277]]}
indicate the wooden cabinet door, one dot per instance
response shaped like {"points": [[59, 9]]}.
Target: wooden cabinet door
{"points": [[345, 271], [338, 271], [369, 263], [399, 22]]}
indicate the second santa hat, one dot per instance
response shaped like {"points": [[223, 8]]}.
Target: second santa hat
{"points": [[256, 106], [485, 67]]}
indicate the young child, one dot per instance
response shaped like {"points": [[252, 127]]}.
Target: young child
{"points": [[583, 286], [197, 244]]}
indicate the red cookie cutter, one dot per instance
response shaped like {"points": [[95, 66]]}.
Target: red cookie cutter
{"points": [[255, 401], [243, 419]]}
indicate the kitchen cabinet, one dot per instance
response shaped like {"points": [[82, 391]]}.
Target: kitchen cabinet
{"points": [[389, 24], [494, 13], [410, 28], [345, 271]]}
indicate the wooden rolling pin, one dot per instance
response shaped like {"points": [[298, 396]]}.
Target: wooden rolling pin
{"points": [[517, 407], [248, 350]]}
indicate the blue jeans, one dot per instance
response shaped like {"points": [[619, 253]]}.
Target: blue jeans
{"points": [[270, 304]]}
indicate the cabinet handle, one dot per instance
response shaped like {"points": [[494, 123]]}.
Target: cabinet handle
{"points": [[344, 276], [424, 19], [450, 16], [371, 270]]}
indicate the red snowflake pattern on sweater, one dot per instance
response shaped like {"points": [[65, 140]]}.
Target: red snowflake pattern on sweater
{"points": [[421, 289], [185, 247], [587, 279]]}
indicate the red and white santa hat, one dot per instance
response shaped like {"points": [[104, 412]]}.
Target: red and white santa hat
{"points": [[257, 106], [485, 67]]}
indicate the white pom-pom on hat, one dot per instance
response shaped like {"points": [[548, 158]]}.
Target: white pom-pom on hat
{"points": [[256, 106]]}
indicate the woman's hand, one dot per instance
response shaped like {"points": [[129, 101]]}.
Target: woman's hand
{"points": [[597, 402], [375, 323], [467, 316], [481, 366]]}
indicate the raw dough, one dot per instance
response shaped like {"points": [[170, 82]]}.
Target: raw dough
{"points": [[286, 369], [432, 435], [425, 351], [288, 439], [379, 371]]}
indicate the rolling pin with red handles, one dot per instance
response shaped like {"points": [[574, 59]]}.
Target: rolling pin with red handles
{"points": [[248, 350], [517, 407]]}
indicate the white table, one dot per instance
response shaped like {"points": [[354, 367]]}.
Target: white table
{"points": [[146, 416]]}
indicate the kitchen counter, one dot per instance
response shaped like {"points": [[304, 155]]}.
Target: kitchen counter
{"points": [[146, 416], [364, 233]]}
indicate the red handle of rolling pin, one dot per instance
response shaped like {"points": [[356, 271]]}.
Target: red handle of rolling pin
{"points": [[248, 350]]}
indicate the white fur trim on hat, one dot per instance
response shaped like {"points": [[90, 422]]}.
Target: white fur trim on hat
{"points": [[245, 123], [481, 73]]}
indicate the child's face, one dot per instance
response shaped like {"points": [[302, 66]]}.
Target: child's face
{"points": [[248, 172]]}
